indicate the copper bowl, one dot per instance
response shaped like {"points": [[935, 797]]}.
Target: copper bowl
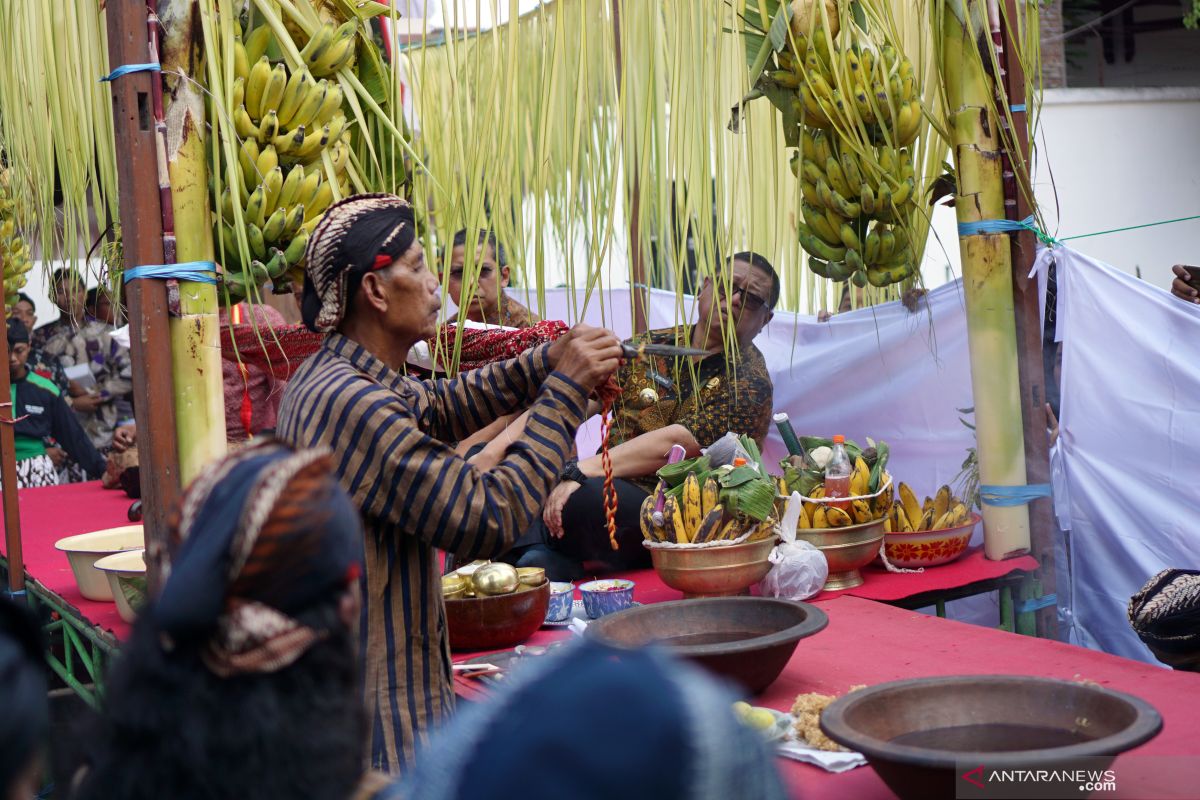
{"points": [[492, 623], [847, 550], [747, 639], [714, 571], [920, 735]]}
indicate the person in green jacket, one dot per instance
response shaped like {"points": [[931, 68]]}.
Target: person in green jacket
{"points": [[40, 412]]}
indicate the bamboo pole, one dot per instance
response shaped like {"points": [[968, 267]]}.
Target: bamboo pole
{"points": [[640, 290], [187, 227], [987, 272], [1018, 205], [8, 475], [141, 227]]}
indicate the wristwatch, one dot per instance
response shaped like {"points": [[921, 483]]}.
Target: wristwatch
{"points": [[572, 472]]}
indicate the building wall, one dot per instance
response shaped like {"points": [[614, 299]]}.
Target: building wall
{"points": [[1110, 158]]}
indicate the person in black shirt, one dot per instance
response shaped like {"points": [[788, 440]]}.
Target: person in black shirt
{"points": [[41, 412]]}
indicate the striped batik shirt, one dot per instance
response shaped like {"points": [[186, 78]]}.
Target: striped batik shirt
{"points": [[390, 437]]}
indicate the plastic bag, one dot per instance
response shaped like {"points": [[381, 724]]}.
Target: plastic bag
{"points": [[798, 568], [724, 450]]}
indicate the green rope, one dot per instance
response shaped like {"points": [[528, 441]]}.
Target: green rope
{"points": [[1129, 228]]}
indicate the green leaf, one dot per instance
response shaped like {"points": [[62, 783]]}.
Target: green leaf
{"points": [[779, 27], [860, 16], [738, 476], [754, 43], [755, 10]]}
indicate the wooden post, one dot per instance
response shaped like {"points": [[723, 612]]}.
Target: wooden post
{"points": [[1027, 309], [8, 475], [640, 290], [141, 231]]}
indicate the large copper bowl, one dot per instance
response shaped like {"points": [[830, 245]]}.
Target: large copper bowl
{"points": [[492, 623], [847, 550], [920, 735], [747, 639], [714, 571]]}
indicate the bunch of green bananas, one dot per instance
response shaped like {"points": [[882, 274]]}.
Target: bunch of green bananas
{"points": [[854, 210], [14, 253], [851, 85], [294, 135]]}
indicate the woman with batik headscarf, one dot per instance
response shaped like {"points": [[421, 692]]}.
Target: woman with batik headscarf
{"points": [[367, 287], [241, 679]]}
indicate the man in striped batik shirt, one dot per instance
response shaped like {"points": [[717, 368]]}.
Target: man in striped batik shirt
{"points": [[368, 287]]}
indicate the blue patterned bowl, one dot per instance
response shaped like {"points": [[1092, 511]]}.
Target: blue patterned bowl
{"points": [[562, 597], [606, 596]]}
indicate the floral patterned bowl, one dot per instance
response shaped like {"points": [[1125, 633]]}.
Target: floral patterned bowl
{"points": [[928, 548]]}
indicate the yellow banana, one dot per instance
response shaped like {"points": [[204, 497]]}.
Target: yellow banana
{"points": [[673, 513], [254, 208], [334, 56], [816, 219], [871, 250], [336, 127], [312, 143], [267, 160], [288, 143], [710, 525], [852, 172], [339, 156], [317, 44], [308, 186], [291, 187], [258, 245], [256, 83], [941, 503], [257, 42], [243, 124], [866, 198], [320, 201], [330, 104], [908, 122], [887, 244], [310, 106], [238, 93], [850, 237], [295, 253], [241, 64], [272, 94], [809, 191], [298, 86], [860, 478], [837, 518], [294, 219], [273, 229], [837, 179], [248, 154], [861, 511], [821, 517], [710, 495], [690, 504], [268, 128], [271, 186]]}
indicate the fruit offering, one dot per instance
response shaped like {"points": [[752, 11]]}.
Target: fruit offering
{"points": [[14, 252], [703, 504], [937, 513], [293, 146]]}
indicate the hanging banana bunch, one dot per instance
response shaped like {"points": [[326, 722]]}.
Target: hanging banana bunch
{"points": [[292, 136], [14, 253], [850, 101]]}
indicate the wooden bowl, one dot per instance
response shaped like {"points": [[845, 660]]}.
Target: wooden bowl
{"points": [[85, 549], [929, 548], [918, 734], [493, 623], [714, 571], [747, 639]]}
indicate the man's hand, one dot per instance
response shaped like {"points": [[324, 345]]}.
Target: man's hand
{"points": [[552, 514], [824, 315], [1052, 421], [586, 355], [87, 403], [124, 437], [1181, 288], [57, 455]]}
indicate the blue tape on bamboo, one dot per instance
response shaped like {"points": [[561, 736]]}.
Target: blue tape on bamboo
{"points": [[1017, 108], [1036, 603], [1003, 496], [989, 226], [194, 271], [127, 69]]}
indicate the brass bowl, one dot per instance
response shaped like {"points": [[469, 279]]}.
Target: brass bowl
{"points": [[495, 579], [847, 550], [455, 586], [492, 623], [531, 576], [920, 735], [714, 571]]}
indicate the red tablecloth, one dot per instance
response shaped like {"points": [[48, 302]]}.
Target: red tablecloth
{"points": [[879, 584], [869, 643], [53, 512]]}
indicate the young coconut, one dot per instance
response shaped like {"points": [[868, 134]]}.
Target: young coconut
{"points": [[807, 17]]}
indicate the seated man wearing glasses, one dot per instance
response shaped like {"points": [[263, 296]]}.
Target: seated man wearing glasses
{"points": [[664, 401]]}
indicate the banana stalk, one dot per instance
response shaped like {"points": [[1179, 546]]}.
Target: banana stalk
{"points": [[195, 342], [987, 271]]}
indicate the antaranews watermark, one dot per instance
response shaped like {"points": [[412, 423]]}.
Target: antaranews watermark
{"points": [[1131, 776]]}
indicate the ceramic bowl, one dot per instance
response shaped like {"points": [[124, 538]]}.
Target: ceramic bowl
{"points": [[126, 574], [85, 549], [928, 548], [606, 596], [562, 597]]}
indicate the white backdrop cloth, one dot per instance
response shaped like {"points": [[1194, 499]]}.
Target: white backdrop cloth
{"points": [[1129, 447]]}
